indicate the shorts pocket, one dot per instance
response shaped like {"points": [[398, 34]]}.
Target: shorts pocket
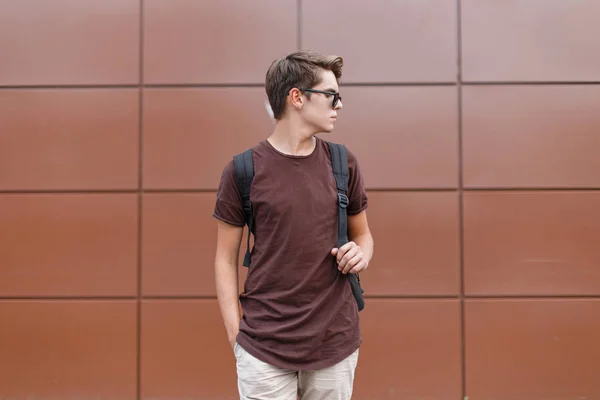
{"points": [[238, 351]]}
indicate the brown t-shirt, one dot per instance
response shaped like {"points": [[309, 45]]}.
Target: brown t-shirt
{"points": [[298, 309]]}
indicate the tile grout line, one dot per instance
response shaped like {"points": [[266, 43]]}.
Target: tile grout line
{"points": [[461, 238], [299, 26], [428, 297], [193, 85], [390, 190], [140, 192], [374, 189]]}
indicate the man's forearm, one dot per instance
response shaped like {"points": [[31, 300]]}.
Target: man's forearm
{"points": [[226, 279]]}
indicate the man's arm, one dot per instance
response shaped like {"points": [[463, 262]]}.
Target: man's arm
{"points": [[355, 256], [229, 238]]}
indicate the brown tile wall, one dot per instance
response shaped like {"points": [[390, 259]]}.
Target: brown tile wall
{"points": [[477, 123]]}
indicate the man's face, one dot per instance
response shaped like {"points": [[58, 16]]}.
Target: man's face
{"points": [[318, 110]]}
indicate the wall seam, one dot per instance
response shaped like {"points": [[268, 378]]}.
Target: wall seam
{"points": [[431, 189], [299, 27], [140, 201], [463, 345]]}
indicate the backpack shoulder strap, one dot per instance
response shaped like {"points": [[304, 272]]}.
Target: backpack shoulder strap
{"points": [[244, 174], [339, 163]]}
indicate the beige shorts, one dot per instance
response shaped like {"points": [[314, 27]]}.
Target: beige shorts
{"points": [[258, 380]]}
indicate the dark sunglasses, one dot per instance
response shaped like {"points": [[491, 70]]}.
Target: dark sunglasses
{"points": [[336, 96]]}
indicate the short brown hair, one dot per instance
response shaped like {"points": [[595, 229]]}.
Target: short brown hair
{"points": [[300, 69]]}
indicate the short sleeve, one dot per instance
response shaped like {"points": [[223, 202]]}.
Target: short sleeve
{"points": [[228, 206], [357, 194]]}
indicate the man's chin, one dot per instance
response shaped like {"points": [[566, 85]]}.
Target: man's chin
{"points": [[328, 129]]}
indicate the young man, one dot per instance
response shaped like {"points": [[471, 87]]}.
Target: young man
{"points": [[299, 330]]}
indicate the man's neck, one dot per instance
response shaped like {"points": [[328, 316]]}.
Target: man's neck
{"points": [[290, 139]]}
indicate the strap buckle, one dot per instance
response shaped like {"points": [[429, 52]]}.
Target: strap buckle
{"points": [[343, 200]]}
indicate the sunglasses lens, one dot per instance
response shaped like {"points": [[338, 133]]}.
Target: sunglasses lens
{"points": [[336, 98]]}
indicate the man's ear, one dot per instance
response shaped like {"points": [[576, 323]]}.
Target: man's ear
{"points": [[295, 98]]}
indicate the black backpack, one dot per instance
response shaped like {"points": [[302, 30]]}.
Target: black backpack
{"points": [[244, 174]]}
